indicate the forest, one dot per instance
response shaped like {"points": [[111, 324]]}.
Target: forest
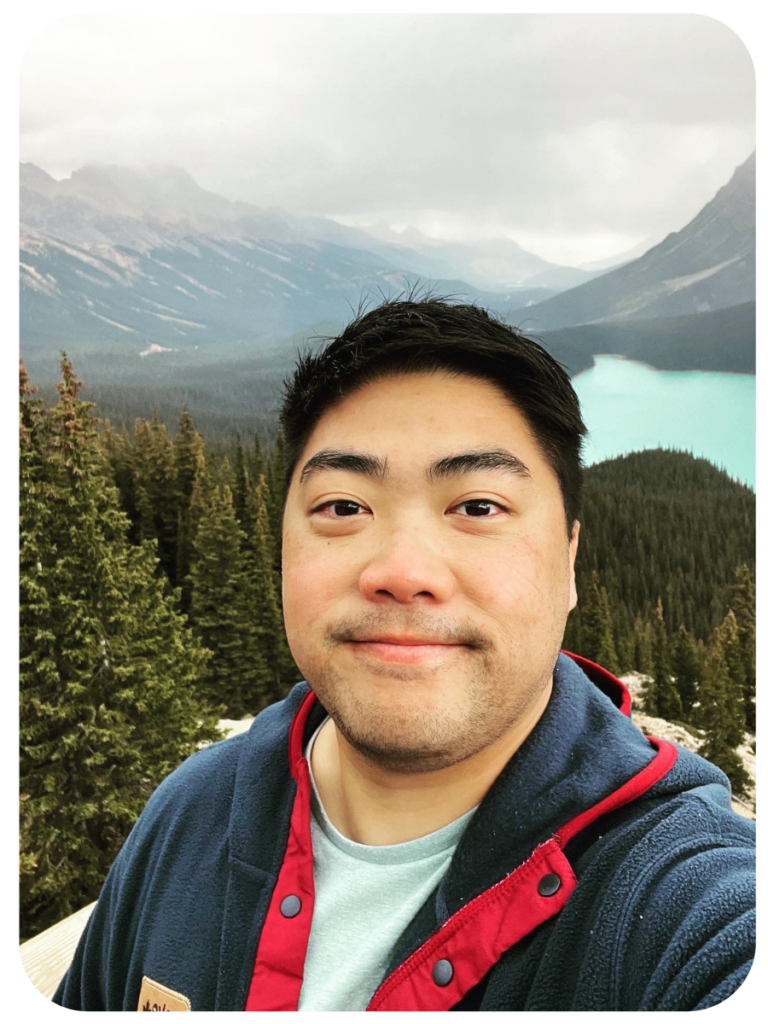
{"points": [[150, 608]]}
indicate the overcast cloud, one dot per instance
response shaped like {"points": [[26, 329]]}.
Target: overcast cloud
{"points": [[577, 135]]}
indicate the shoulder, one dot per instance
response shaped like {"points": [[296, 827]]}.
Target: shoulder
{"points": [[187, 811], [207, 776], [684, 823], [695, 797], [212, 766], [668, 885]]}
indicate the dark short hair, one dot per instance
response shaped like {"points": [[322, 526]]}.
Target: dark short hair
{"points": [[423, 335]]}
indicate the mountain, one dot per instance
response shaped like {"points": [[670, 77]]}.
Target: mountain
{"points": [[708, 265], [142, 210], [152, 259], [562, 278]]}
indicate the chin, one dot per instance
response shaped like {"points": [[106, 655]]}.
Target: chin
{"points": [[410, 740]]}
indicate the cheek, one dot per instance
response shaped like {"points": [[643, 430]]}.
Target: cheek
{"points": [[516, 580], [312, 581]]}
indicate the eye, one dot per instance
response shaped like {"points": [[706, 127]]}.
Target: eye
{"points": [[346, 509], [481, 508]]}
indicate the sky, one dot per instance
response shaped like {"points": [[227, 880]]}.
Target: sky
{"points": [[580, 136]]}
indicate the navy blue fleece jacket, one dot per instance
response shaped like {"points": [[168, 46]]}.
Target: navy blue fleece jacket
{"points": [[601, 871]]}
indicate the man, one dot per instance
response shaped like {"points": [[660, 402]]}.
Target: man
{"points": [[451, 812]]}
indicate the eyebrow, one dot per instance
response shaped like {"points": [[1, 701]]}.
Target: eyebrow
{"points": [[447, 466]]}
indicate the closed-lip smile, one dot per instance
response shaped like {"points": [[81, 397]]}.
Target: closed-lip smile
{"points": [[403, 649]]}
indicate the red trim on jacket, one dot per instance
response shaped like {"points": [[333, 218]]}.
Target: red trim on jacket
{"points": [[592, 669], [631, 790], [473, 939], [278, 973]]}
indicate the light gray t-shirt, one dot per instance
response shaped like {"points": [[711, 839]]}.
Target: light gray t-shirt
{"points": [[364, 898]]}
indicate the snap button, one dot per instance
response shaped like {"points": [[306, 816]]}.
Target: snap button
{"points": [[290, 906], [442, 972], [549, 884]]}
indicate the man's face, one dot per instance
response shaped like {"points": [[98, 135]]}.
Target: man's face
{"points": [[471, 558]]}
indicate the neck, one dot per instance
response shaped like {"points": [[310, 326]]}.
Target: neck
{"points": [[369, 805]]}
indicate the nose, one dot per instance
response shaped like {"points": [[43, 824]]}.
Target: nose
{"points": [[407, 569]]}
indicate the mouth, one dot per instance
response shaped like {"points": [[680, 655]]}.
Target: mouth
{"points": [[404, 650]]}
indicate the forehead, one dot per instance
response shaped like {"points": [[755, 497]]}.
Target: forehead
{"points": [[410, 417]]}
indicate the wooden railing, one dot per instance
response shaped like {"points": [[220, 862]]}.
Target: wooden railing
{"points": [[47, 956]]}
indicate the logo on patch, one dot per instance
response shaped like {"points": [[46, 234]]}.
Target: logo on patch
{"points": [[154, 996]]}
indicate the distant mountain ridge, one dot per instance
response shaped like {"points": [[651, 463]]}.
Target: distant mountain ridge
{"points": [[162, 205], [152, 258], [491, 264]]}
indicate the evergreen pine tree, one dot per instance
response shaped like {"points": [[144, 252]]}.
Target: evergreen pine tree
{"points": [[667, 699], [188, 451], [105, 669], [597, 627], [118, 448], [156, 488], [275, 478], [240, 489], [189, 466], [643, 646], [686, 669], [282, 670], [607, 656], [257, 461], [203, 493], [716, 715], [226, 477], [624, 640], [221, 610], [146, 528], [742, 598], [732, 652]]}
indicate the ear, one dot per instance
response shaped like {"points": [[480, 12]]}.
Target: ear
{"points": [[572, 549]]}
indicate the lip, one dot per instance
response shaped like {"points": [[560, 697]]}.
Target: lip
{"points": [[402, 650], [404, 640]]}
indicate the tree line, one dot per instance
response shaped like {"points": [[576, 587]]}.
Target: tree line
{"points": [[150, 607], [665, 574]]}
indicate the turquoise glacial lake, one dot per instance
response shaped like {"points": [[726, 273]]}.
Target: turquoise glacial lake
{"points": [[628, 406]]}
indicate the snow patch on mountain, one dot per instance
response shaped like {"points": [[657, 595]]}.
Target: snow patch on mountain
{"points": [[38, 282], [158, 305], [674, 284], [152, 350], [277, 277], [177, 320], [112, 323]]}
